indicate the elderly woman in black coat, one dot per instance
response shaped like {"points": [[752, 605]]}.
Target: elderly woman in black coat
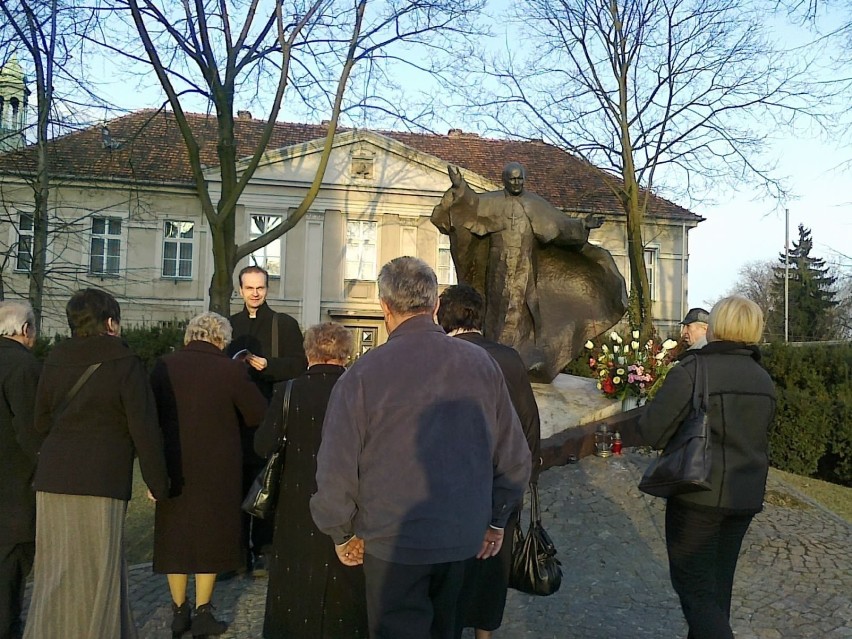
{"points": [[202, 396], [704, 530], [94, 413], [311, 595]]}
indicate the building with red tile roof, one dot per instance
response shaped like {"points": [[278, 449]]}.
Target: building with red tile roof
{"points": [[125, 214]]}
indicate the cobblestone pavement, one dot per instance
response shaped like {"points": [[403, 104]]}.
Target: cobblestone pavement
{"points": [[794, 579]]}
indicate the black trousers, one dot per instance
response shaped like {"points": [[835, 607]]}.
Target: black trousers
{"points": [[16, 561], [257, 533], [412, 602], [703, 549]]}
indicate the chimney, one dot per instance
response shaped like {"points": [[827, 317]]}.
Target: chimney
{"points": [[454, 133], [244, 115]]}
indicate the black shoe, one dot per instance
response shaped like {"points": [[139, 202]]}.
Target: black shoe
{"points": [[181, 619], [205, 624], [259, 567]]}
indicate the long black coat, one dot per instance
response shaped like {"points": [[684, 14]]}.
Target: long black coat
{"points": [[311, 595], [201, 396], [19, 371], [87, 448], [486, 581], [742, 406]]}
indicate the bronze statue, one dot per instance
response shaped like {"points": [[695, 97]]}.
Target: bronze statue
{"points": [[547, 290]]}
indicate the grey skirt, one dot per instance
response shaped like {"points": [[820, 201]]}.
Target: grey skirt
{"points": [[80, 575]]}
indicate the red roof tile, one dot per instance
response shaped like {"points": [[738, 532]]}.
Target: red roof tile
{"points": [[152, 151]]}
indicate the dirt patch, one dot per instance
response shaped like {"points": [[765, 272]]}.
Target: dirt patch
{"points": [[785, 500]]}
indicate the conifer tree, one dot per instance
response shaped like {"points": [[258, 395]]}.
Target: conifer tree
{"points": [[812, 295]]}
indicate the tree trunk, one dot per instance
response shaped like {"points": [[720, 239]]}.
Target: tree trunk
{"points": [[224, 249]]}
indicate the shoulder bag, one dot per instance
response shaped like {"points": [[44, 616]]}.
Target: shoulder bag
{"points": [[263, 495], [535, 568], [684, 464]]}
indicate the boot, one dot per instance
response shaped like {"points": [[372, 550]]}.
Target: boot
{"points": [[205, 624], [181, 619]]}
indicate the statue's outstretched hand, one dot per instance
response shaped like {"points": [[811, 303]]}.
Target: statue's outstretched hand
{"points": [[593, 221], [455, 176]]}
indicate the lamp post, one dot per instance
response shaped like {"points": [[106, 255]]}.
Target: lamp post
{"points": [[786, 275]]}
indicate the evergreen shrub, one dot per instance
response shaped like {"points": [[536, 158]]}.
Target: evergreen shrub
{"points": [[148, 342], [812, 434]]}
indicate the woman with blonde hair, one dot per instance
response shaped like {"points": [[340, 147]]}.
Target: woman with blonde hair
{"points": [[704, 530], [202, 396], [311, 595]]}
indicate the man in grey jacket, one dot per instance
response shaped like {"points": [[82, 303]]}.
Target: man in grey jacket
{"points": [[422, 461]]}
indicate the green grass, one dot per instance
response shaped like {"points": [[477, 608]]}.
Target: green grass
{"points": [[836, 498]]}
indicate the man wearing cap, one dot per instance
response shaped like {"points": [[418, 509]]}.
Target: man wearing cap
{"points": [[694, 331]]}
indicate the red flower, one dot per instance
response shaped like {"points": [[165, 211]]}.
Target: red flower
{"points": [[607, 386]]}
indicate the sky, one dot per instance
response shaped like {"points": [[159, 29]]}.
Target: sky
{"points": [[738, 229]]}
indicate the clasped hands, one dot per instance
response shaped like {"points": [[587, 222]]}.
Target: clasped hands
{"points": [[352, 552]]}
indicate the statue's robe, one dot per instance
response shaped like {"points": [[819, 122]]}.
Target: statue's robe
{"points": [[546, 289]]}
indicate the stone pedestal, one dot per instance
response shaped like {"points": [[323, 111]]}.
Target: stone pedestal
{"points": [[571, 409], [571, 401]]}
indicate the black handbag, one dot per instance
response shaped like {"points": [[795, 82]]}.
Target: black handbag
{"points": [[263, 494], [535, 568], [684, 465]]}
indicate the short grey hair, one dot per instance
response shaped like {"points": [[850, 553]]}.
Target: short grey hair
{"points": [[408, 285], [13, 316], [329, 341], [209, 327]]}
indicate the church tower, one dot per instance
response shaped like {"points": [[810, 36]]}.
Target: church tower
{"points": [[14, 98]]}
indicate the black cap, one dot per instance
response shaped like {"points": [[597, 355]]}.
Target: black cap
{"points": [[696, 315]]}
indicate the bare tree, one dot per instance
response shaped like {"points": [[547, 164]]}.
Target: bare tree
{"points": [[215, 51], [46, 35], [754, 281], [679, 94]]}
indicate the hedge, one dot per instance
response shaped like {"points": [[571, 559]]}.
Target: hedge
{"points": [[812, 434], [148, 342]]}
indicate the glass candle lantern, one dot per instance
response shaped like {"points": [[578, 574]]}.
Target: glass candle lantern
{"points": [[603, 442]]}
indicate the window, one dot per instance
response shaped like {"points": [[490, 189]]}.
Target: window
{"points": [[105, 247], [266, 257], [177, 249], [360, 250], [651, 255], [24, 258], [446, 269]]}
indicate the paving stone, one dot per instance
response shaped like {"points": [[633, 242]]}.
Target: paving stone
{"points": [[794, 578]]}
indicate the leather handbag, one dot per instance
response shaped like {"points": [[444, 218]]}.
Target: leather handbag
{"points": [[535, 568], [263, 495], [685, 463]]}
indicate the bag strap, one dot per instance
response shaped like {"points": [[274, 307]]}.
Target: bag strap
{"points": [[535, 512], [274, 352], [285, 412], [76, 387], [700, 390]]}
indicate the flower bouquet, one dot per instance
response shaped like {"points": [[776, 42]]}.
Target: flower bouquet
{"points": [[628, 368]]}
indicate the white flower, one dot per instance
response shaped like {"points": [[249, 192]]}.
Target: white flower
{"points": [[616, 380], [669, 344], [621, 361], [626, 349], [589, 345], [614, 336], [635, 335], [615, 348], [604, 348], [634, 345], [659, 356]]}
